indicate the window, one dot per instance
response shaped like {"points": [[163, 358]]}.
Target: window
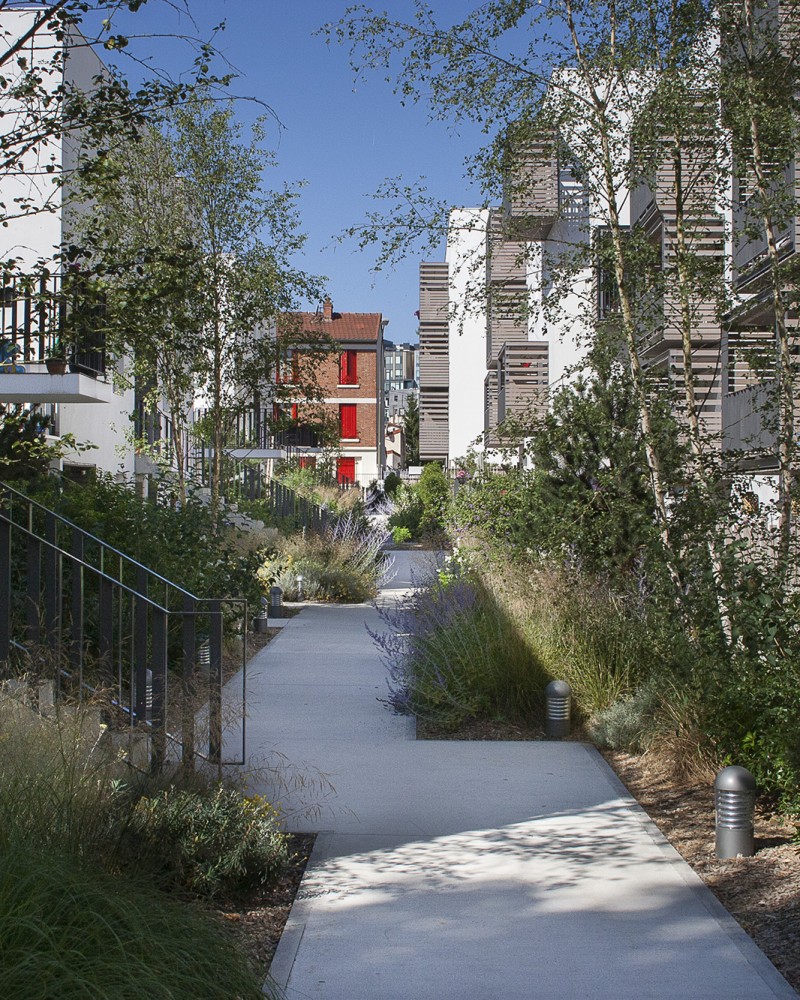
{"points": [[346, 471], [289, 367], [348, 424], [348, 368], [281, 414]]}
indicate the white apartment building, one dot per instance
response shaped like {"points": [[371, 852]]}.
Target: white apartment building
{"points": [[83, 402]]}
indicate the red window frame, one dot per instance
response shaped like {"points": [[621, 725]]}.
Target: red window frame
{"points": [[346, 471], [348, 368], [348, 421]]}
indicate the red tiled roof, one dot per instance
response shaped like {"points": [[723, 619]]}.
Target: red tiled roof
{"points": [[343, 326]]}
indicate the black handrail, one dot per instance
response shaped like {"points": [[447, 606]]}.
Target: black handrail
{"points": [[117, 610]]}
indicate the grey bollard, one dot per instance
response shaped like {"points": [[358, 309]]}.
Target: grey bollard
{"points": [[204, 658], [261, 620], [276, 602], [734, 802], [558, 700]]}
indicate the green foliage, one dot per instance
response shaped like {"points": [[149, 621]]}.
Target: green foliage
{"points": [[401, 534], [214, 842], [411, 431], [408, 509], [319, 485], [343, 564], [188, 544], [391, 484], [24, 450], [435, 496], [77, 841], [627, 723], [70, 931], [57, 791], [464, 658]]}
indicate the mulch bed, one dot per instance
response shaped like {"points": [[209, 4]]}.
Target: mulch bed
{"points": [[762, 892], [257, 921]]}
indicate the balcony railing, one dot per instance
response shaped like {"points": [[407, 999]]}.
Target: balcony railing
{"points": [[52, 316]]}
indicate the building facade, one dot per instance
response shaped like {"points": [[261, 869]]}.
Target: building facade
{"points": [[84, 402], [351, 384]]}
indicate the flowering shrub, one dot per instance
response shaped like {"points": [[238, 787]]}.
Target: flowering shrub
{"points": [[453, 655], [344, 564]]}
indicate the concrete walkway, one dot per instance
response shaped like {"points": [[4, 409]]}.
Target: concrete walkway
{"points": [[468, 870]]}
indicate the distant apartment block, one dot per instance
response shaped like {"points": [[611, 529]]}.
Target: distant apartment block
{"points": [[400, 378]]}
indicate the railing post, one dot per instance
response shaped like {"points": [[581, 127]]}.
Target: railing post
{"points": [[5, 589], [78, 601], [189, 653], [159, 669], [106, 623], [33, 588], [52, 582], [140, 647], [215, 685]]}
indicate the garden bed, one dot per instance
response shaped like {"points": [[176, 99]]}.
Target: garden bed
{"points": [[257, 922]]}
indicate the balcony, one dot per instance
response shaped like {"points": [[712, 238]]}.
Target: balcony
{"points": [[748, 422], [523, 380], [49, 317], [750, 256], [530, 195]]}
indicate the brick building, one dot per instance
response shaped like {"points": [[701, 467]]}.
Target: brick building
{"points": [[351, 380]]}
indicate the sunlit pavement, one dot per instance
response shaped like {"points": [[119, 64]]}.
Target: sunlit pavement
{"points": [[468, 870]]}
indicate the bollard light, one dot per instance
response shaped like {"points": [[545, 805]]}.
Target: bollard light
{"points": [[261, 620], [558, 700], [204, 657], [300, 588], [276, 602], [734, 802]]}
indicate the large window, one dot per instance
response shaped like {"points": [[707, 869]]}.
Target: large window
{"points": [[348, 368], [348, 423]]}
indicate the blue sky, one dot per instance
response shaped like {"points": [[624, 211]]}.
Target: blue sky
{"points": [[342, 137]]}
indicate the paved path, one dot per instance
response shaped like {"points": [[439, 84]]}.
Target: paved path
{"points": [[468, 870]]}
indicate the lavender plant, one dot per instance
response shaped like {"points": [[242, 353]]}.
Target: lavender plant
{"points": [[453, 655]]}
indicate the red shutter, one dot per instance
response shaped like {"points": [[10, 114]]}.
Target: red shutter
{"points": [[348, 368], [345, 471], [348, 425]]}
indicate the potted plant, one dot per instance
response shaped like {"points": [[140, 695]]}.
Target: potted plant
{"points": [[56, 362]]}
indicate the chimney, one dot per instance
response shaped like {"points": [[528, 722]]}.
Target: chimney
{"points": [[327, 308]]}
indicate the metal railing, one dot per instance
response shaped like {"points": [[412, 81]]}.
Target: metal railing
{"points": [[102, 620], [287, 503], [52, 315]]}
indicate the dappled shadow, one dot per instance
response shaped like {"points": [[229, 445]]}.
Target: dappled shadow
{"points": [[572, 904]]}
